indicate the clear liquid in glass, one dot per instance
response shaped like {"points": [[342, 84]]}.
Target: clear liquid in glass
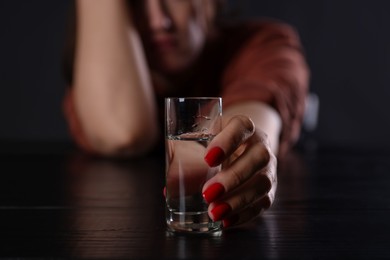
{"points": [[186, 174]]}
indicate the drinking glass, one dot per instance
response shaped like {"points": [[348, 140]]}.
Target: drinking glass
{"points": [[190, 124]]}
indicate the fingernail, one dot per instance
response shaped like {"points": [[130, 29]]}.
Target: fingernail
{"points": [[228, 222], [213, 192], [165, 191], [215, 156], [220, 211]]}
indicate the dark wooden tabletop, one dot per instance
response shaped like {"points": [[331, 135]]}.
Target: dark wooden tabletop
{"points": [[57, 202]]}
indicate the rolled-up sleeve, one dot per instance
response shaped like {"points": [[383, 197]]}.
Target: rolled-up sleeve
{"points": [[271, 67]]}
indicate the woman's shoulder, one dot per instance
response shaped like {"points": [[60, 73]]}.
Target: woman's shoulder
{"points": [[255, 37], [240, 32]]}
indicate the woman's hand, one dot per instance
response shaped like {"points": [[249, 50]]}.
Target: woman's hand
{"points": [[247, 183]]}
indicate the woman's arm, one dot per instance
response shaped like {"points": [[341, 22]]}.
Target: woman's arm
{"points": [[112, 91]]}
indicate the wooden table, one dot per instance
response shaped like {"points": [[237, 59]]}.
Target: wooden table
{"points": [[56, 202]]}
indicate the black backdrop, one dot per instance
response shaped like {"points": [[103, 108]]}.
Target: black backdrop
{"points": [[347, 44]]}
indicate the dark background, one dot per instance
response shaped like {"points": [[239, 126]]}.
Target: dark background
{"points": [[347, 44]]}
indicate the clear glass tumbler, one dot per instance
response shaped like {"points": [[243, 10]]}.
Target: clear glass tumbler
{"points": [[190, 124]]}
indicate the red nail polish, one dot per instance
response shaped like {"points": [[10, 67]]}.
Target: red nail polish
{"points": [[220, 211], [213, 192], [228, 222], [165, 191], [215, 156]]}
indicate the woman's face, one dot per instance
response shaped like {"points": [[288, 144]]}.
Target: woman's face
{"points": [[173, 31]]}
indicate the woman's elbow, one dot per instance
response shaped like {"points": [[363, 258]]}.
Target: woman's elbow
{"points": [[124, 143]]}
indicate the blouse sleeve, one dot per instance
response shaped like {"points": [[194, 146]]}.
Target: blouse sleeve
{"points": [[270, 67]]}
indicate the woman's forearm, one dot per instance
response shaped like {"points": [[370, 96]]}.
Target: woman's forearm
{"points": [[112, 89]]}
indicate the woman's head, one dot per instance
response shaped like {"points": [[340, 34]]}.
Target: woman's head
{"points": [[174, 32]]}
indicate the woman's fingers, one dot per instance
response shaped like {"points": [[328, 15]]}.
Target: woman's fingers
{"points": [[252, 210], [247, 214], [236, 132], [255, 157], [261, 187]]}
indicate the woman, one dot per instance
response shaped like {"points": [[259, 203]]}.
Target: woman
{"points": [[129, 55]]}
